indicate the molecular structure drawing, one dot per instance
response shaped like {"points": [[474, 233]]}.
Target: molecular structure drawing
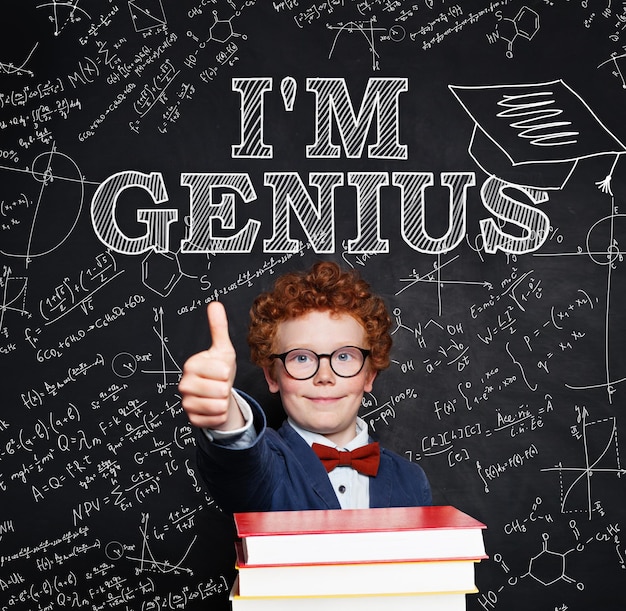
{"points": [[222, 29], [525, 25], [547, 567]]}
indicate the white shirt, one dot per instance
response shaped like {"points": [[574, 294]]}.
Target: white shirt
{"points": [[351, 487]]}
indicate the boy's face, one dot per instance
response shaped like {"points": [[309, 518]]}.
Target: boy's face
{"points": [[326, 403]]}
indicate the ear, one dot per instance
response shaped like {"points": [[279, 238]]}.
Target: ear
{"points": [[370, 376], [269, 378]]}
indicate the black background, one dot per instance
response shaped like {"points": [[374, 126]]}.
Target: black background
{"points": [[506, 375]]}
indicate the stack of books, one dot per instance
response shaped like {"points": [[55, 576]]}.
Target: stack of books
{"points": [[396, 558]]}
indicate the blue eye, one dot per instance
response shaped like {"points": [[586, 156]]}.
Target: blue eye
{"points": [[345, 355], [301, 357]]}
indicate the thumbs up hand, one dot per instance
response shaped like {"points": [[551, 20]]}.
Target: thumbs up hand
{"points": [[208, 377]]}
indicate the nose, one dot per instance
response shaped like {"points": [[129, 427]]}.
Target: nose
{"points": [[325, 374]]}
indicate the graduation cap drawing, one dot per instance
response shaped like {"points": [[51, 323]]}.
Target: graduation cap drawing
{"points": [[534, 134]]}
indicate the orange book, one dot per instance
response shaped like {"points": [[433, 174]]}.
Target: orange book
{"points": [[448, 601]]}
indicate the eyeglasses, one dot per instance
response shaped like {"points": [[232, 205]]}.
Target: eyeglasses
{"points": [[303, 364]]}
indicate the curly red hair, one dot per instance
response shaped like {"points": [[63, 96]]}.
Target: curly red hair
{"points": [[324, 287]]}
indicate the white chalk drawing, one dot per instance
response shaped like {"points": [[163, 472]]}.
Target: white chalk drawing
{"points": [[47, 169], [366, 31], [548, 566], [147, 14], [222, 29], [12, 68], [64, 13], [160, 272], [616, 60], [435, 278], [525, 25], [12, 295], [534, 134], [603, 231], [148, 561], [124, 364], [600, 450], [169, 370]]}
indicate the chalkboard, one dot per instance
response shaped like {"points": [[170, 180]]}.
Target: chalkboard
{"points": [[156, 155]]}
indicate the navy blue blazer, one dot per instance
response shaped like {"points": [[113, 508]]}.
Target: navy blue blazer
{"points": [[281, 472]]}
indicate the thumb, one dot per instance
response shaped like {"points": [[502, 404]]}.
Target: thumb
{"points": [[218, 325]]}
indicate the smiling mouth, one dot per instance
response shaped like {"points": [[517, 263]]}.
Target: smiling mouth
{"points": [[323, 399]]}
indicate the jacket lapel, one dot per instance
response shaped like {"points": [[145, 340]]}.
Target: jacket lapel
{"points": [[311, 465], [380, 486]]}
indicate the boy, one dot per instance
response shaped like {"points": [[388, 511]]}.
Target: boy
{"points": [[321, 338]]}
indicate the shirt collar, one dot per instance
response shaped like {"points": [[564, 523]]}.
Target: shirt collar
{"points": [[361, 438]]}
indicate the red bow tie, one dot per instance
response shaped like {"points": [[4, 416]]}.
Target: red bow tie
{"points": [[365, 459]]}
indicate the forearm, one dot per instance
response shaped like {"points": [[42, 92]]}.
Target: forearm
{"points": [[240, 437], [237, 473]]}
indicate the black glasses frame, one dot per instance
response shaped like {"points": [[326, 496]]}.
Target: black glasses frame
{"points": [[364, 351]]}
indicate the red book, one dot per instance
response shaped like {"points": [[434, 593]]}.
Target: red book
{"points": [[359, 535]]}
